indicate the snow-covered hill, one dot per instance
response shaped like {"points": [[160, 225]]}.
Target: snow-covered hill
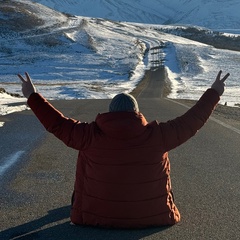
{"points": [[213, 14], [81, 57]]}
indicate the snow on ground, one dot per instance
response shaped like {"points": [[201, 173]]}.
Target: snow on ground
{"points": [[195, 69], [81, 57], [11, 104]]}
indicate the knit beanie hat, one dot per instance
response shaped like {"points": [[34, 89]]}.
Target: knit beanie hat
{"points": [[123, 102]]}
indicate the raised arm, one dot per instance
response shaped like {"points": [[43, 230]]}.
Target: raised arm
{"points": [[70, 131], [179, 130]]}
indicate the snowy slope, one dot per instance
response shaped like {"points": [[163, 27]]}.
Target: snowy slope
{"points": [[73, 57], [213, 14]]}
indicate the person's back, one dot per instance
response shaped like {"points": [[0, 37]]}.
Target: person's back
{"points": [[123, 170], [123, 175]]}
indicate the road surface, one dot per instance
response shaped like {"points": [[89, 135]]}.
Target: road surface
{"points": [[36, 189]]}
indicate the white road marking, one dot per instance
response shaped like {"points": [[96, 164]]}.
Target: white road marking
{"points": [[9, 161], [212, 118]]}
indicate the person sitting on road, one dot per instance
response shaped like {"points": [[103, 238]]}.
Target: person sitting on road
{"points": [[123, 170]]}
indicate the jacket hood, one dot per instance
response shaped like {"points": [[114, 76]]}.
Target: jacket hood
{"points": [[121, 125]]}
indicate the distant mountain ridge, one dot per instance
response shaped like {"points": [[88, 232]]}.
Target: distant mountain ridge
{"points": [[213, 14]]}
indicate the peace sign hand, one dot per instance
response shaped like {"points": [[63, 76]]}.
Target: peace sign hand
{"points": [[219, 84], [27, 86]]}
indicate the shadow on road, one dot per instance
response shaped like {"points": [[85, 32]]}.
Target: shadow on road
{"points": [[56, 225]]}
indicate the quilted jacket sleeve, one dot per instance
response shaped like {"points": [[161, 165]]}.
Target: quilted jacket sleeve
{"points": [[179, 130], [73, 133]]}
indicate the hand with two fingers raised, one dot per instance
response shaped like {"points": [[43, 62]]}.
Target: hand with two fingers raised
{"points": [[219, 84], [27, 86]]}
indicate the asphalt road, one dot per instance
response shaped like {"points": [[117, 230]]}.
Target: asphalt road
{"points": [[36, 190]]}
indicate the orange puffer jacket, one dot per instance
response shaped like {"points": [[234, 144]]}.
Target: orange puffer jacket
{"points": [[123, 170]]}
